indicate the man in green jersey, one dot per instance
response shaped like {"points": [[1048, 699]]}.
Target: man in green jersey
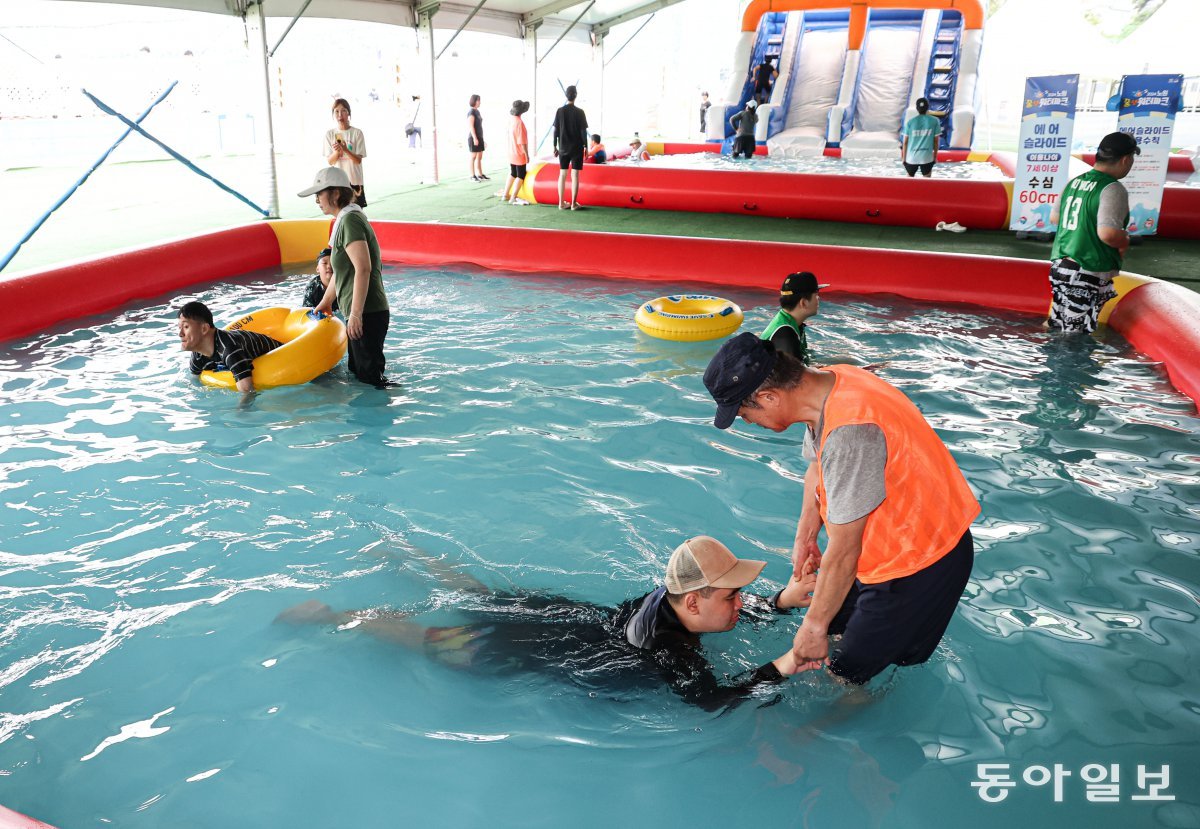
{"points": [[798, 300], [1091, 216]]}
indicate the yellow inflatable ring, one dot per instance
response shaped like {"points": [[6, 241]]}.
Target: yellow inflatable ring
{"points": [[311, 346], [689, 317]]}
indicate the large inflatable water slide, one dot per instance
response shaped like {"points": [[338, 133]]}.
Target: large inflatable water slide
{"points": [[850, 72]]}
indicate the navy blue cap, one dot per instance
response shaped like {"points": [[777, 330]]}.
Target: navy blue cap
{"points": [[735, 372]]}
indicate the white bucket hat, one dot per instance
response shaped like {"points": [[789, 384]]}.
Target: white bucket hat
{"points": [[329, 177]]}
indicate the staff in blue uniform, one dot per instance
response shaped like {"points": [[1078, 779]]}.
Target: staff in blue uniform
{"points": [[922, 135]]}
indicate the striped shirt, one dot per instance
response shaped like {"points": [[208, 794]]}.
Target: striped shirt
{"points": [[235, 351]]}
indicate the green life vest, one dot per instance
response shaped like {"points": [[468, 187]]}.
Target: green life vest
{"points": [[1078, 237], [784, 319]]}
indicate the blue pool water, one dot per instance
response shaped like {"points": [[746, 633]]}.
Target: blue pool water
{"points": [[885, 166], [153, 529]]}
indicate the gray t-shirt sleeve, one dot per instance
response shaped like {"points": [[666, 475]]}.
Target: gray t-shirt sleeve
{"points": [[807, 450], [852, 464], [1114, 206]]}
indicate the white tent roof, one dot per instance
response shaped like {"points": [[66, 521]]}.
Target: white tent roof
{"points": [[503, 17], [1035, 37], [1164, 43]]}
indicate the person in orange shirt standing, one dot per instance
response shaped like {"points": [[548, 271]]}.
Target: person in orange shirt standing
{"points": [[895, 507], [518, 153]]}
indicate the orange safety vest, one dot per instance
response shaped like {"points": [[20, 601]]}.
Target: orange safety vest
{"points": [[928, 505]]}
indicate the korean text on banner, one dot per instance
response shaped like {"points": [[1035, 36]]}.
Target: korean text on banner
{"points": [[1148, 104], [1044, 150]]}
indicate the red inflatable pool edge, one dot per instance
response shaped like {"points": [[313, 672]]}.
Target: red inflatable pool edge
{"points": [[1176, 162], [1159, 319], [40, 299], [897, 201], [15, 820], [856, 199], [1011, 284], [1162, 321], [1179, 216]]}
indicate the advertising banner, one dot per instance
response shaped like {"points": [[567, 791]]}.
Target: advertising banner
{"points": [[1147, 108], [1044, 150]]}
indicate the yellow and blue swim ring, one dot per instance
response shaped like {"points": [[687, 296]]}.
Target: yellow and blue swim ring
{"points": [[688, 317], [312, 345]]}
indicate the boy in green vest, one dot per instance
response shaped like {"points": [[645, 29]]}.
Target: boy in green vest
{"points": [[798, 300], [1091, 216]]}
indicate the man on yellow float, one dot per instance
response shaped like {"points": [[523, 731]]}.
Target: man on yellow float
{"points": [[215, 349], [798, 300], [895, 507]]}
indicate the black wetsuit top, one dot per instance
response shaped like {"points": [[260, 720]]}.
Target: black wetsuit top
{"points": [[314, 292], [235, 351], [639, 644], [786, 339], [762, 75]]}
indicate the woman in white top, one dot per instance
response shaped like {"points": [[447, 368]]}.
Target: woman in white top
{"points": [[345, 148]]}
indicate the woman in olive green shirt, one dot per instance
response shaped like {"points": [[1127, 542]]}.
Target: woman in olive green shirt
{"points": [[357, 275]]}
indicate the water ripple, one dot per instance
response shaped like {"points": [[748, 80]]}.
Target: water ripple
{"points": [[154, 528]]}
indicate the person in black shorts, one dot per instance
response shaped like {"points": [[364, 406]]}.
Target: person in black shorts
{"points": [[745, 123], [475, 145], [642, 642], [215, 349], [518, 153], [570, 139], [764, 76]]}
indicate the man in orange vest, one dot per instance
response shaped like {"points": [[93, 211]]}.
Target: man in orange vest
{"points": [[896, 509]]}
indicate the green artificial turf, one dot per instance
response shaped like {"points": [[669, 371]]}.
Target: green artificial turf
{"points": [[134, 204]]}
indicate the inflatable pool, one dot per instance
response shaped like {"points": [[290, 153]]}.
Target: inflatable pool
{"points": [[1160, 319], [835, 197]]}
